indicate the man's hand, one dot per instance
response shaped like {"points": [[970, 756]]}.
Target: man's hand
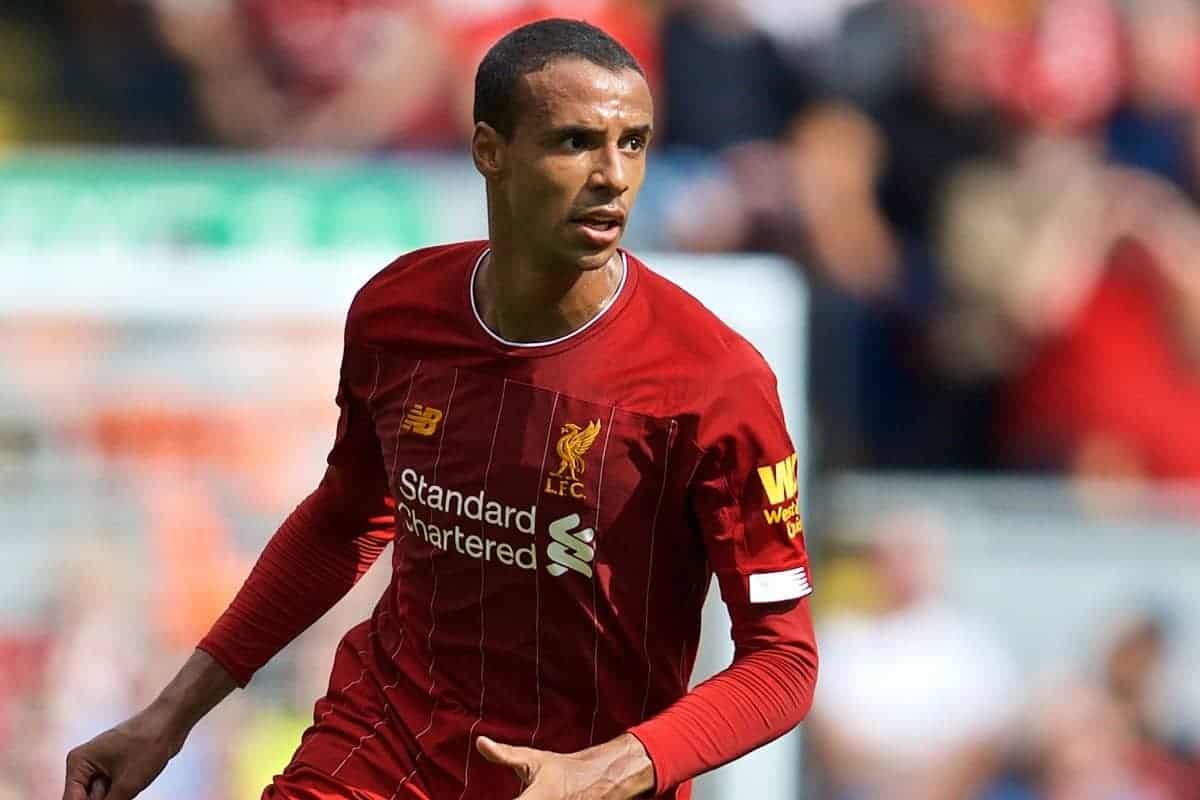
{"points": [[616, 770], [121, 762]]}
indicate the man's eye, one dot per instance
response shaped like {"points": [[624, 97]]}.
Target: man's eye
{"points": [[635, 143], [575, 142]]}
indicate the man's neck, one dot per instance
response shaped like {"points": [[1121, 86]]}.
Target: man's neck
{"points": [[525, 302]]}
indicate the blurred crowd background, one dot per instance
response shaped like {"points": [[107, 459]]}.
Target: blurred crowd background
{"points": [[994, 203]]}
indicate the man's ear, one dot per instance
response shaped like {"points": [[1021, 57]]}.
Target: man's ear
{"points": [[488, 150]]}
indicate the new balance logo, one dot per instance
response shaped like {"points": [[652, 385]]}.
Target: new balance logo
{"points": [[422, 420], [571, 549]]}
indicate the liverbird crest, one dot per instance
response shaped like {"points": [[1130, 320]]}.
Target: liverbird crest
{"points": [[572, 446]]}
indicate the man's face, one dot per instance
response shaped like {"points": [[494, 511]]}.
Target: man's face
{"points": [[576, 160]]}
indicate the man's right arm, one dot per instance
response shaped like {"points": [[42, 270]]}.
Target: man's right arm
{"points": [[315, 558], [310, 564], [121, 762], [326, 544]]}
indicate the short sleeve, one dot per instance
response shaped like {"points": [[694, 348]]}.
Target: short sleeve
{"points": [[745, 495]]}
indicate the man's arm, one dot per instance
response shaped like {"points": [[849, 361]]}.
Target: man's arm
{"points": [[315, 558], [745, 502], [121, 762], [765, 693], [744, 499], [195, 690], [305, 569], [326, 544], [311, 563]]}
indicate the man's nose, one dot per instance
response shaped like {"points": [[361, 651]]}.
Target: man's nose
{"points": [[609, 171]]}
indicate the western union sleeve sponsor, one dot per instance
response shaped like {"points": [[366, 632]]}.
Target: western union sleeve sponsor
{"points": [[779, 481]]}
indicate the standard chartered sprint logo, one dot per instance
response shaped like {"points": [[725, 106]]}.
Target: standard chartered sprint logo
{"points": [[569, 549]]}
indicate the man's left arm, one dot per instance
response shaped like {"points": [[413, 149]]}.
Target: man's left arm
{"points": [[746, 505], [765, 693]]}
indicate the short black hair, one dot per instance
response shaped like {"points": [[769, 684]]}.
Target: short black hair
{"points": [[528, 49]]}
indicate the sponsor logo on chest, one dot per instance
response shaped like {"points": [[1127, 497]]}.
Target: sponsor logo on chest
{"points": [[570, 548]]}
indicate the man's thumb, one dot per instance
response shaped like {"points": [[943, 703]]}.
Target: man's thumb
{"points": [[505, 754]]}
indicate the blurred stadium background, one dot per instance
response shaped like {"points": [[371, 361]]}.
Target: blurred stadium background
{"points": [[993, 205]]}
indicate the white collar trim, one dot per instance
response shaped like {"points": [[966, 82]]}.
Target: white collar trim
{"points": [[546, 343]]}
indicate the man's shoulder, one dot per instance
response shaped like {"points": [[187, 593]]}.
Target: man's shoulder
{"points": [[418, 279], [426, 265], [696, 335]]}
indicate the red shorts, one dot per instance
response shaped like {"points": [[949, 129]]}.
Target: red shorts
{"points": [[306, 783], [354, 750]]}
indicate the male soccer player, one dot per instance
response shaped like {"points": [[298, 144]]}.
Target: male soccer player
{"points": [[565, 447]]}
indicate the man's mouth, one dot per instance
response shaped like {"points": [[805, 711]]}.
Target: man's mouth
{"points": [[599, 229], [601, 219], [599, 224]]}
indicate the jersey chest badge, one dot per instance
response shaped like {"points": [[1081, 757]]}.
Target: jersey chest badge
{"points": [[572, 446]]}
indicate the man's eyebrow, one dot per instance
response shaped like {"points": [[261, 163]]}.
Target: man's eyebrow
{"points": [[564, 131]]}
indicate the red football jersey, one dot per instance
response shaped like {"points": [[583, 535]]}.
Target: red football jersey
{"points": [[559, 509]]}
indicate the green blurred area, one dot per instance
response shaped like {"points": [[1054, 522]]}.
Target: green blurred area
{"points": [[148, 200]]}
